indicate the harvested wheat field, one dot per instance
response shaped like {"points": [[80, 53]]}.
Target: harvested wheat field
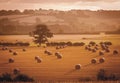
{"points": [[45, 65]]}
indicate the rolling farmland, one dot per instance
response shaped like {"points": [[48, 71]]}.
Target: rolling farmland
{"points": [[52, 68]]}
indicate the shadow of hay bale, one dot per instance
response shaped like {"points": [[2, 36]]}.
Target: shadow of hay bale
{"points": [[69, 72], [87, 65]]}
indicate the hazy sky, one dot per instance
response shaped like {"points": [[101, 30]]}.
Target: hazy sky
{"points": [[60, 4]]}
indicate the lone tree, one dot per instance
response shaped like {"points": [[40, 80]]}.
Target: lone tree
{"points": [[41, 34]]}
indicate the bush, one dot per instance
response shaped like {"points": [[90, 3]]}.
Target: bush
{"points": [[101, 75], [92, 43], [15, 44], [104, 77], [78, 44], [6, 77], [23, 78], [112, 77], [69, 43], [62, 44]]}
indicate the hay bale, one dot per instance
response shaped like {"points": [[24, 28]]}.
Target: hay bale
{"points": [[57, 47], [59, 56], [90, 49], [23, 49], [60, 47], [3, 48], [38, 45], [94, 60], [86, 47], [11, 60], [49, 53], [93, 50], [106, 46], [44, 46], [102, 60], [46, 51], [6, 48], [57, 53], [78, 66], [89, 45], [103, 46], [101, 53], [65, 46], [107, 50], [15, 53], [115, 52], [39, 60], [96, 48], [16, 71], [96, 45], [10, 50], [36, 57]]}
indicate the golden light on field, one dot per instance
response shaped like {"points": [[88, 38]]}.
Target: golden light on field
{"points": [[73, 64], [60, 40]]}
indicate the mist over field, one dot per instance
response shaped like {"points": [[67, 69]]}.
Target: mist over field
{"points": [[60, 22]]}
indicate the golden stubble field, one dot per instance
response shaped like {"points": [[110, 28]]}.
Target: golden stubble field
{"points": [[52, 68]]}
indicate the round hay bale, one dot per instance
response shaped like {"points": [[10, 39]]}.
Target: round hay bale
{"points": [[94, 60], [102, 60], [89, 45], [23, 49], [89, 49], [39, 60], [11, 60], [10, 50], [63, 47], [106, 46], [115, 52], [16, 71], [78, 66], [3, 48], [46, 51], [44, 46], [103, 47], [38, 45], [6, 48], [93, 50], [60, 47], [86, 47], [96, 45], [107, 50], [57, 53], [101, 53], [15, 53], [57, 47], [36, 57], [59, 56], [49, 53], [96, 48]]}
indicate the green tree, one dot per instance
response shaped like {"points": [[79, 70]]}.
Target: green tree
{"points": [[41, 34]]}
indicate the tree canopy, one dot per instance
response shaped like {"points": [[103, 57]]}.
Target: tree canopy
{"points": [[41, 34]]}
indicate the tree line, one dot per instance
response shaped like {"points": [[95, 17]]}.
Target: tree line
{"points": [[53, 12]]}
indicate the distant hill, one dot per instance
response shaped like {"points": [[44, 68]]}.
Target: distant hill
{"points": [[73, 21]]}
